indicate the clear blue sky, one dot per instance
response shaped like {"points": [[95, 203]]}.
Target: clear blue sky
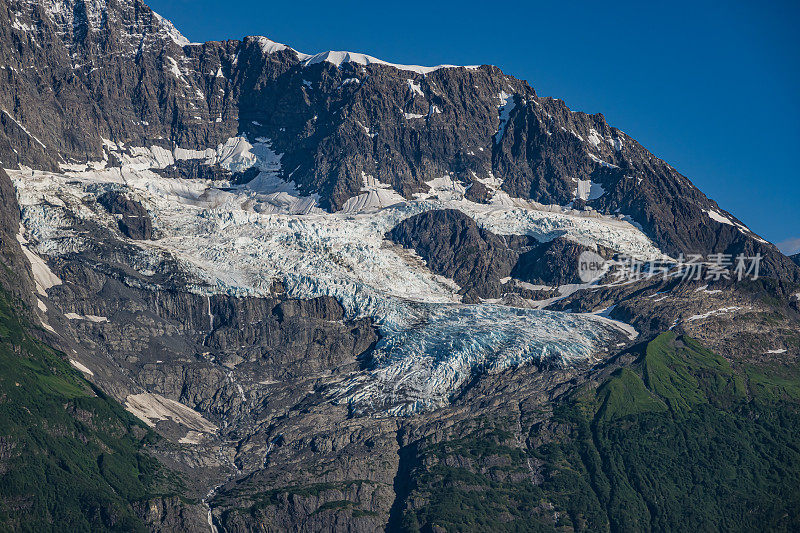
{"points": [[710, 87]]}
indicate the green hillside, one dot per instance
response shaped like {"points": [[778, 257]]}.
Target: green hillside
{"points": [[71, 459], [679, 441]]}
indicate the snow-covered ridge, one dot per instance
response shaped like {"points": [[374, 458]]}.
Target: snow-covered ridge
{"points": [[336, 57], [171, 31], [716, 216]]}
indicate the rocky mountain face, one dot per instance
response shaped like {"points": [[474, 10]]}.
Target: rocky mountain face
{"points": [[79, 72], [453, 245], [16, 277], [481, 262], [342, 295]]}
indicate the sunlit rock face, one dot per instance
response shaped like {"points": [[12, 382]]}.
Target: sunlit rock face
{"points": [[275, 258]]}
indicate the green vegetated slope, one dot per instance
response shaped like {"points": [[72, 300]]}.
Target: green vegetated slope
{"points": [[679, 441], [71, 458]]}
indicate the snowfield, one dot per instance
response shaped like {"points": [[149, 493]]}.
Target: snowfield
{"points": [[241, 239]]}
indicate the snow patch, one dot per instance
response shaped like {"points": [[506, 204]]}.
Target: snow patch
{"points": [[586, 190], [81, 367], [176, 71], [445, 188], [370, 134], [594, 137], [376, 195], [23, 128], [705, 289], [42, 275], [627, 329], [152, 408], [90, 318], [192, 437], [600, 161], [718, 217], [507, 105], [723, 310], [415, 87]]}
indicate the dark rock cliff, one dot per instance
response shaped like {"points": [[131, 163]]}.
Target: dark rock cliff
{"points": [[86, 71], [454, 246], [15, 274]]}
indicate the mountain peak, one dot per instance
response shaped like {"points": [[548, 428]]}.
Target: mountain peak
{"points": [[76, 19], [338, 57]]}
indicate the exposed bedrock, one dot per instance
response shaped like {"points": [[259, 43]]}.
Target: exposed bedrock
{"points": [[455, 246], [134, 221]]}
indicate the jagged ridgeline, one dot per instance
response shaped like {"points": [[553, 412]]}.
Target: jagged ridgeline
{"points": [[125, 74]]}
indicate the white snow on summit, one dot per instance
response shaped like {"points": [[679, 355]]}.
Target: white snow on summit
{"points": [[338, 57], [171, 31], [269, 46]]}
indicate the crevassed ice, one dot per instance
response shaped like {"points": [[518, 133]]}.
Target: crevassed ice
{"points": [[239, 240], [419, 367]]}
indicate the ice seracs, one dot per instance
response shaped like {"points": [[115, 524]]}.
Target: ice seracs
{"points": [[418, 367], [240, 239]]}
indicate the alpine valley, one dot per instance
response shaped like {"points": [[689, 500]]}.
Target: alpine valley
{"points": [[246, 288]]}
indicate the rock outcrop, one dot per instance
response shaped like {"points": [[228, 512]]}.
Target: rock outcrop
{"points": [[125, 74], [454, 246], [134, 221]]}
